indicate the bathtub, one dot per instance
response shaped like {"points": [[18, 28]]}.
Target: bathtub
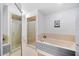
{"points": [[56, 47]]}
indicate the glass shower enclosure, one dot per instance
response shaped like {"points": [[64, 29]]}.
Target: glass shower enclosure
{"points": [[16, 31], [10, 29]]}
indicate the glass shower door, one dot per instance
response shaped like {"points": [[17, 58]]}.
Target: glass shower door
{"points": [[16, 28], [31, 33], [16, 37]]}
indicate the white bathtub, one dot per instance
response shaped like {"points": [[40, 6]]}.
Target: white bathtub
{"points": [[70, 47]]}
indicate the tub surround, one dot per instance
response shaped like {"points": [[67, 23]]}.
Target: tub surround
{"points": [[63, 41], [43, 53], [53, 50]]}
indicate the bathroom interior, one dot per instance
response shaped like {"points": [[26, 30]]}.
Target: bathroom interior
{"points": [[55, 28], [39, 29]]}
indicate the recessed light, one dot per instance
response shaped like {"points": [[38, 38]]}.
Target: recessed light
{"points": [[60, 4]]}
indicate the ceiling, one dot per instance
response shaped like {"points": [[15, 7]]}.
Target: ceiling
{"points": [[48, 8]]}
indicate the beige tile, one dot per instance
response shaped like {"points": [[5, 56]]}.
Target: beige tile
{"points": [[29, 51]]}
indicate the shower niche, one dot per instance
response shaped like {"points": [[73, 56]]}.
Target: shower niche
{"points": [[31, 31]]}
